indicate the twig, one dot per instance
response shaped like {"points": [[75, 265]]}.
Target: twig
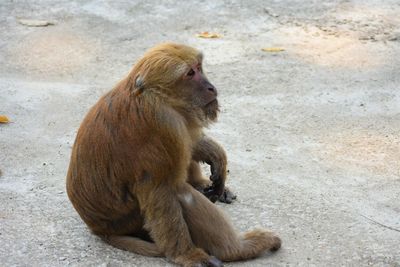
{"points": [[380, 224]]}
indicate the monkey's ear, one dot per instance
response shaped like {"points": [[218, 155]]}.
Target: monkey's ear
{"points": [[138, 86]]}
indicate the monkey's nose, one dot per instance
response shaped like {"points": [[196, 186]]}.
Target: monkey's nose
{"points": [[213, 90], [210, 87]]}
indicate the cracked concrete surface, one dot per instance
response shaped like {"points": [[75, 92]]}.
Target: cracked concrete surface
{"points": [[312, 133]]}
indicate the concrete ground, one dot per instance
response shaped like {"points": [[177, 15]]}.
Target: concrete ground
{"points": [[312, 132]]}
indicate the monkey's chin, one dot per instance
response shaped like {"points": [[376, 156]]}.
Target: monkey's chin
{"points": [[211, 110]]}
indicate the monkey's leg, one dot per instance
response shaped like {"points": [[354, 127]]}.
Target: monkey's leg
{"points": [[196, 178], [198, 181], [213, 232], [133, 244], [167, 227]]}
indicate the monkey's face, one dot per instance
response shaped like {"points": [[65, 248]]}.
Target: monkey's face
{"points": [[198, 91], [176, 71]]}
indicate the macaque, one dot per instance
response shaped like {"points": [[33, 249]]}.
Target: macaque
{"points": [[134, 167]]}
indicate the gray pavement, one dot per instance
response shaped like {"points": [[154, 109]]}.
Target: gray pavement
{"points": [[312, 133]]}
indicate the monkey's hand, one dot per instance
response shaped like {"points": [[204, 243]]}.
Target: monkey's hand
{"points": [[210, 152], [218, 176]]}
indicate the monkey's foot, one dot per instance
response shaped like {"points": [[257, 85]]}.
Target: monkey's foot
{"points": [[211, 193], [198, 258], [212, 262], [261, 239], [227, 196]]}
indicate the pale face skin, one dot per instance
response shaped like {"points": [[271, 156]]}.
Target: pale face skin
{"points": [[195, 78]]}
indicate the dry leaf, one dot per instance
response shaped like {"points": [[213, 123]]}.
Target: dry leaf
{"points": [[273, 49], [4, 119], [35, 23], [208, 35]]}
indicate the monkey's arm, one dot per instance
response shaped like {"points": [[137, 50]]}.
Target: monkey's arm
{"points": [[208, 151]]}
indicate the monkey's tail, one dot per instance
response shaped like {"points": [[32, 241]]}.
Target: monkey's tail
{"points": [[134, 244]]}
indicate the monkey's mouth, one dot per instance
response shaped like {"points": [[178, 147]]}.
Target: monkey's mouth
{"points": [[211, 110], [212, 103]]}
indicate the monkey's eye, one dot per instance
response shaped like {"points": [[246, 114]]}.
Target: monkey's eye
{"points": [[190, 73]]}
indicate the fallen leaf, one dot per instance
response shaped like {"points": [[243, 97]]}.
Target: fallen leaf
{"points": [[273, 49], [208, 35], [35, 23], [4, 119]]}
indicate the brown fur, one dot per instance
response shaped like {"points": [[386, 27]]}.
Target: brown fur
{"points": [[135, 153]]}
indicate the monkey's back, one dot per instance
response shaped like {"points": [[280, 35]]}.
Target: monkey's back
{"points": [[119, 144], [97, 179]]}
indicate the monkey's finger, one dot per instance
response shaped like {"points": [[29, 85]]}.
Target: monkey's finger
{"points": [[212, 169], [215, 176], [215, 172], [218, 187]]}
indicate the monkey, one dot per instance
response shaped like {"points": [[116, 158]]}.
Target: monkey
{"points": [[134, 169]]}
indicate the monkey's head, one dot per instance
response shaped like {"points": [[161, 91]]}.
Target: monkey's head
{"points": [[174, 73]]}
